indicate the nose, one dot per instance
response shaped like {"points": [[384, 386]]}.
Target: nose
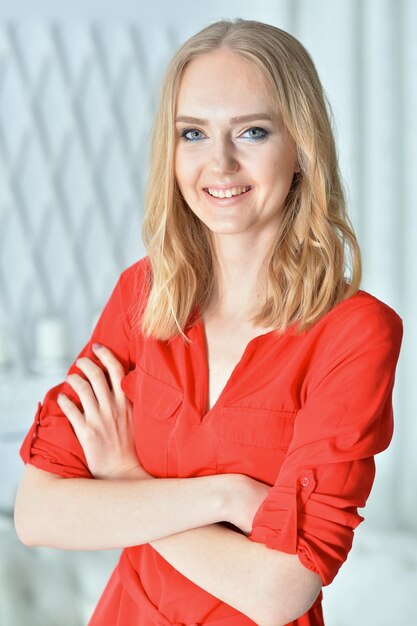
{"points": [[223, 156]]}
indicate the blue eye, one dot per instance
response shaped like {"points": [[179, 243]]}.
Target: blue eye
{"points": [[264, 132], [189, 130], [256, 129]]}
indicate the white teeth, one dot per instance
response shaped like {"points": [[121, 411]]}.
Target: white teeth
{"points": [[227, 193]]}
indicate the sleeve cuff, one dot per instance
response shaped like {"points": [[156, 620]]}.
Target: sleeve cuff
{"points": [[52, 454]]}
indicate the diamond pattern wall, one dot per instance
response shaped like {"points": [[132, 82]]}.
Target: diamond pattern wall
{"points": [[76, 106]]}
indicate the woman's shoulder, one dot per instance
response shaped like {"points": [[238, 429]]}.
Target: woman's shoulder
{"points": [[133, 285], [134, 279], [135, 271], [365, 305], [365, 316]]}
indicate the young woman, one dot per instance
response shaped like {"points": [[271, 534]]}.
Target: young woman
{"points": [[223, 431]]}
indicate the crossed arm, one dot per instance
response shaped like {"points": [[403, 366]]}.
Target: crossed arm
{"points": [[178, 517], [272, 588]]}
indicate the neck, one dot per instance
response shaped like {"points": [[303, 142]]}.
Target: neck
{"points": [[241, 285]]}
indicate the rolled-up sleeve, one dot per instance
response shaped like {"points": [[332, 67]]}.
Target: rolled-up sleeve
{"points": [[329, 469], [51, 443]]}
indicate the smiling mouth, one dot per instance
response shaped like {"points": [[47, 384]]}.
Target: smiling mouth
{"points": [[227, 193]]}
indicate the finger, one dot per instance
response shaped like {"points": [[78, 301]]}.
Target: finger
{"points": [[98, 381], [114, 368], [75, 417], [85, 393]]}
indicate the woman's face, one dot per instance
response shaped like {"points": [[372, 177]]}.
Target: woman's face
{"points": [[217, 151]]}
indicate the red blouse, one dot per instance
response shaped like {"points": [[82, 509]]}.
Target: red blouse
{"points": [[305, 414]]}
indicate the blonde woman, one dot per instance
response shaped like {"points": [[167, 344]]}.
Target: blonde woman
{"points": [[221, 424]]}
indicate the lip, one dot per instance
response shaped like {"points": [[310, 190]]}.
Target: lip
{"points": [[227, 201]]}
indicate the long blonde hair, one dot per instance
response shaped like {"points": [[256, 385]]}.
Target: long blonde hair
{"points": [[306, 269]]}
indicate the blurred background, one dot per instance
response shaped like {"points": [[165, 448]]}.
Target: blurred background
{"points": [[79, 84]]}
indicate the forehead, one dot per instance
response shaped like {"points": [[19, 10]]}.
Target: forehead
{"points": [[223, 79]]}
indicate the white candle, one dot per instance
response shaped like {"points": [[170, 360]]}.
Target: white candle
{"points": [[51, 339]]}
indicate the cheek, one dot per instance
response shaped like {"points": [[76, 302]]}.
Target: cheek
{"points": [[187, 180], [186, 170], [284, 160], [178, 167], [283, 171]]}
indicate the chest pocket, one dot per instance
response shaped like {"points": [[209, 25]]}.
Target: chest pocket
{"points": [[156, 406], [253, 441]]}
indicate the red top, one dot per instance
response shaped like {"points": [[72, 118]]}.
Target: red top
{"points": [[305, 414]]}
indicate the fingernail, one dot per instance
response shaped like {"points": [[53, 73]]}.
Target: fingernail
{"points": [[96, 346]]}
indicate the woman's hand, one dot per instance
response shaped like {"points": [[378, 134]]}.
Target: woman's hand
{"points": [[105, 429], [246, 496]]}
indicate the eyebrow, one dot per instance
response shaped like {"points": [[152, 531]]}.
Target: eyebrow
{"points": [[233, 120]]}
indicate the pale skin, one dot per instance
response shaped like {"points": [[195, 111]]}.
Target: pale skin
{"points": [[125, 505]]}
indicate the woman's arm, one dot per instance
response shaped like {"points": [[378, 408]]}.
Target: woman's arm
{"points": [[272, 588], [89, 514], [179, 517], [124, 505]]}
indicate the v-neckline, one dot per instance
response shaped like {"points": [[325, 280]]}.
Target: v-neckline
{"points": [[204, 395]]}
